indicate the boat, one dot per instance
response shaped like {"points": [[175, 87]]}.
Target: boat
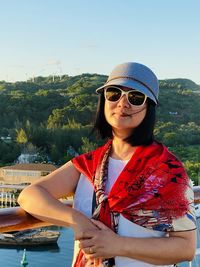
{"points": [[31, 237]]}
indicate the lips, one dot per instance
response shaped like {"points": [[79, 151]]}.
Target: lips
{"points": [[122, 114]]}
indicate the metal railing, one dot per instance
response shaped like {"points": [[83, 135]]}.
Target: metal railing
{"points": [[17, 219]]}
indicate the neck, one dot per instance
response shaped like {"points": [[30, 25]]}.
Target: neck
{"points": [[121, 149]]}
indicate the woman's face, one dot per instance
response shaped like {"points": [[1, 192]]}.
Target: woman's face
{"points": [[122, 116]]}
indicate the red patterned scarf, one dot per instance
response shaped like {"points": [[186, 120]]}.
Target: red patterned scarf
{"points": [[150, 191]]}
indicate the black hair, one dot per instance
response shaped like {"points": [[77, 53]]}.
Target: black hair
{"points": [[141, 135]]}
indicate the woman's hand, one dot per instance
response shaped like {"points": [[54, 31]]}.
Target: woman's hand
{"points": [[101, 242], [82, 226]]}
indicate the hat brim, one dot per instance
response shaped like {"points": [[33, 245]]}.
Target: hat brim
{"points": [[129, 84]]}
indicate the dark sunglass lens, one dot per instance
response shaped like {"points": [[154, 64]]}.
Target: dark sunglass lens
{"points": [[113, 94], [136, 98]]}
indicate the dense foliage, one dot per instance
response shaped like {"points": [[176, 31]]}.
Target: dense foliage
{"points": [[50, 115]]}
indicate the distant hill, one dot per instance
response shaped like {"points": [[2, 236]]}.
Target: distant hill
{"points": [[179, 83], [58, 99], [54, 82], [54, 100], [64, 81]]}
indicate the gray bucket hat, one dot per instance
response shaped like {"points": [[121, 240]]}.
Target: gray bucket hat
{"points": [[134, 76]]}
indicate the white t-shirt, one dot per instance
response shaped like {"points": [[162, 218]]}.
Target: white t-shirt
{"points": [[83, 202]]}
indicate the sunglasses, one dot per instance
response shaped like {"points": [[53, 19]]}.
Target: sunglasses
{"points": [[134, 97]]}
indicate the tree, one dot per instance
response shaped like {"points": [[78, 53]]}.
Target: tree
{"points": [[87, 145], [21, 137]]}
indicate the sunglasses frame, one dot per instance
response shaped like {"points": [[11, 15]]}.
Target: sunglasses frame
{"points": [[126, 94]]}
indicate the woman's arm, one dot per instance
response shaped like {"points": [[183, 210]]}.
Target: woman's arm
{"points": [[41, 199], [179, 246]]}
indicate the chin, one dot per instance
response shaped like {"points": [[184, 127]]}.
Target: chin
{"points": [[122, 127], [121, 124]]}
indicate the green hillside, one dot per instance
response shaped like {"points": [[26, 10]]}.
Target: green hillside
{"points": [[179, 84], [50, 114]]}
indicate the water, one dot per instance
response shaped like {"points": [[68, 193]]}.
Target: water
{"points": [[59, 255]]}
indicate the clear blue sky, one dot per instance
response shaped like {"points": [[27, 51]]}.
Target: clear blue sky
{"points": [[45, 37]]}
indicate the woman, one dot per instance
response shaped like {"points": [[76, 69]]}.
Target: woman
{"points": [[136, 192]]}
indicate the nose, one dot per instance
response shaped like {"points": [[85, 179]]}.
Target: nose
{"points": [[123, 102]]}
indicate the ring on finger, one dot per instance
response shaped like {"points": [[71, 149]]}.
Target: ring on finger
{"points": [[91, 251]]}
